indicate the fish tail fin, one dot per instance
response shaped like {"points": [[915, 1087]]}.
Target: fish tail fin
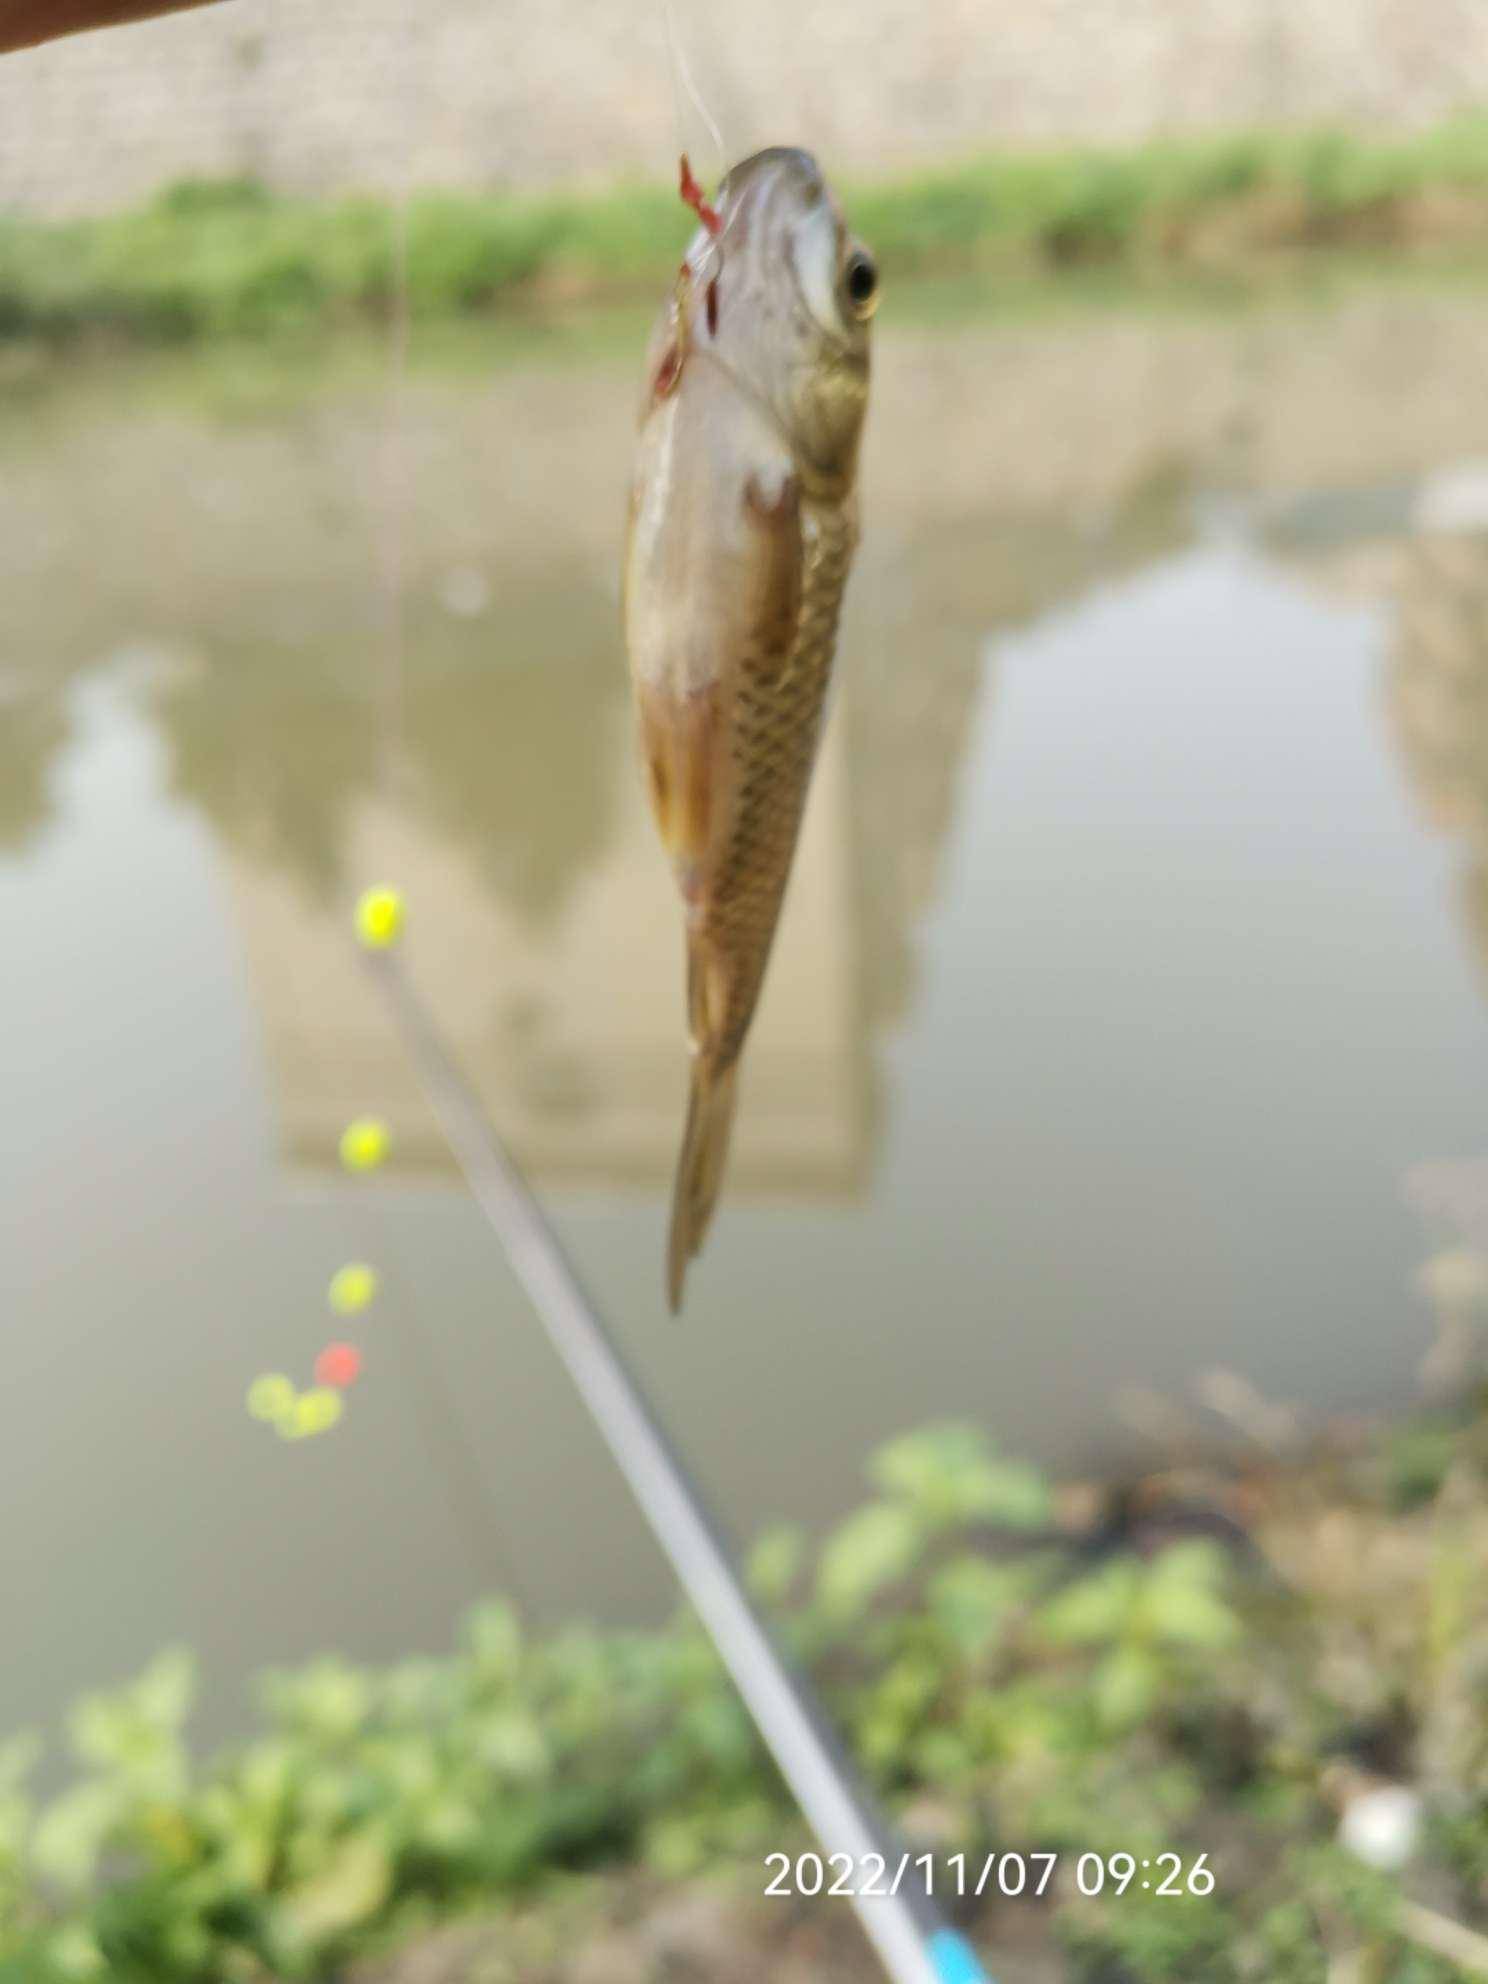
{"points": [[705, 1142]]}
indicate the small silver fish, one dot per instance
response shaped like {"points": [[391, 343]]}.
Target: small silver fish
{"points": [[743, 522]]}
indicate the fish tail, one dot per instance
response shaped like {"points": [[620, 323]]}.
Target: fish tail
{"points": [[705, 1142]]}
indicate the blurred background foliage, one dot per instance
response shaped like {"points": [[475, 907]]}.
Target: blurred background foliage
{"points": [[1012, 1681], [228, 256]]}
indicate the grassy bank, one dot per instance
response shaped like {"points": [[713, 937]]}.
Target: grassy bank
{"points": [[1218, 1667], [208, 259]]}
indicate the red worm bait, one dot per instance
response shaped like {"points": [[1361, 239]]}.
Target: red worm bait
{"points": [[692, 196]]}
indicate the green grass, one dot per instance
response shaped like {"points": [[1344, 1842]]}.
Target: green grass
{"points": [[229, 258]]}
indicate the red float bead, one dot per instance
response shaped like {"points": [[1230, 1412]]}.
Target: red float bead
{"points": [[338, 1364]]}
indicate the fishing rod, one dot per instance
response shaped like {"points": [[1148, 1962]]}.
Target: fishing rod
{"points": [[913, 1942]]}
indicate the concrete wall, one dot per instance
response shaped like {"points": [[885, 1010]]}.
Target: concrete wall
{"points": [[315, 94]]}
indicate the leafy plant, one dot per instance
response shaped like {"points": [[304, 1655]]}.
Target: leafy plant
{"points": [[1046, 1697]]}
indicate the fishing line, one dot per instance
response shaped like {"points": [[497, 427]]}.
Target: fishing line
{"points": [[472, 1502], [390, 723], [468, 1493], [683, 84]]}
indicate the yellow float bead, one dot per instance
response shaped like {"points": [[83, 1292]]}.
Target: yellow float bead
{"points": [[365, 1143], [314, 1412], [379, 918], [352, 1288], [271, 1397]]}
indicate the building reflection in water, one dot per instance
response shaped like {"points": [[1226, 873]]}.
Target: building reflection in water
{"points": [[546, 932], [1438, 681], [1437, 693], [1419, 548], [504, 796]]}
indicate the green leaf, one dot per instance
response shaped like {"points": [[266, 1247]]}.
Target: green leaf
{"points": [[1418, 1462], [73, 1952], [1097, 1607], [493, 1638], [328, 1701], [164, 1693], [869, 1551], [513, 1744], [970, 1600], [775, 1563], [72, 1830], [1014, 1495], [449, 1825], [350, 1890], [1181, 1602], [1190, 1616], [950, 1475], [674, 1847], [135, 1730], [1126, 1687], [943, 1758]]}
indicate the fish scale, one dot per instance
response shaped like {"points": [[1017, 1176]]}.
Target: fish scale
{"points": [[776, 726]]}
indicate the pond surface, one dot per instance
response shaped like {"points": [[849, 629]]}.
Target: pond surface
{"points": [[1127, 1024]]}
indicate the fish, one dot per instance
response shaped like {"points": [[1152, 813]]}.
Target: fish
{"points": [[742, 528]]}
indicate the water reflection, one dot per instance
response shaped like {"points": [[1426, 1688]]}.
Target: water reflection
{"points": [[275, 757], [1438, 692], [1013, 470], [1421, 547], [33, 731], [512, 757], [1119, 986], [504, 749], [502, 777], [496, 777]]}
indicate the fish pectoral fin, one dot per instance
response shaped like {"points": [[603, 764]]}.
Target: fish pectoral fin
{"points": [[776, 567], [686, 760]]}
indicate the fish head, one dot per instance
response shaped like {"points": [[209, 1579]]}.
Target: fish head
{"points": [[793, 294]]}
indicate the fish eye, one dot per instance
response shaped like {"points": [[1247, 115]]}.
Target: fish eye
{"points": [[860, 279]]}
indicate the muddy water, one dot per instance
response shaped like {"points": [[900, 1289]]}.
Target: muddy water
{"points": [[1128, 1021]]}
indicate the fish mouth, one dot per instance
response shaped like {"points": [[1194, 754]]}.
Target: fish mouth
{"points": [[775, 161], [778, 204], [760, 181]]}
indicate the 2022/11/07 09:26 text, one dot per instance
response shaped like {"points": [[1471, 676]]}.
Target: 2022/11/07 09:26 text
{"points": [[1009, 1874]]}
